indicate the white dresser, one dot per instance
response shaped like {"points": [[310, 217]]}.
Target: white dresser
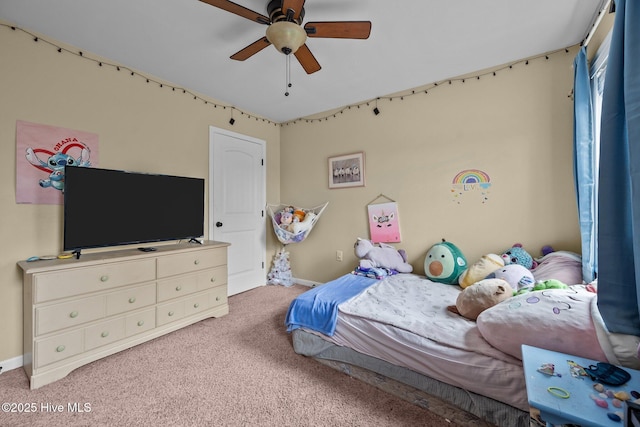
{"points": [[80, 310]]}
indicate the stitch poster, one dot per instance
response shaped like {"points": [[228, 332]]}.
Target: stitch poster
{"points": [[384, 225], [42, 152]]}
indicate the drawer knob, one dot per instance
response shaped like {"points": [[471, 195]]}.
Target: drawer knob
{"points": [[104, 278], [196, 262], [73, 314], [60, 348], [196, 305], [213, 279], [170, 313], [217, 298], [132, 300], [179, 288], [140, 322], [104, 334]]}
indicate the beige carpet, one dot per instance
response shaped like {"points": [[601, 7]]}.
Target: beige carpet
{"points": [[238, 370]]}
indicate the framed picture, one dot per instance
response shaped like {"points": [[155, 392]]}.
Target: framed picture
{"points": [[346, 170]]}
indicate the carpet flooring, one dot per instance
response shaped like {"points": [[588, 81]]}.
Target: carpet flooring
{"points": [[236, 370]]}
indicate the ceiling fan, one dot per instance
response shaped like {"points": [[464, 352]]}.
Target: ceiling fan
{"points": [[286, 33]]}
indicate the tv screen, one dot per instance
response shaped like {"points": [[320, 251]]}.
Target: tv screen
{"points": [[104, 207]]}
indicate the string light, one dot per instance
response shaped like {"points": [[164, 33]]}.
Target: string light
{"points": [[432, 86], [133, 73], [376, 110]]}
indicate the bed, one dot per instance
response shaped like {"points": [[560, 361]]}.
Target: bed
{"points": [[397, 328]]}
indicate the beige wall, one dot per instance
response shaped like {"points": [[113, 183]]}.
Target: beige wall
{"points": [[516, 126], [141, 127]]}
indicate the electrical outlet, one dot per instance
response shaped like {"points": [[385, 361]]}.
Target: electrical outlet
{"points": [[338, 255]]}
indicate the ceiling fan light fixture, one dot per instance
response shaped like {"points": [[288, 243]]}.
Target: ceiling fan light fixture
{"points": [[286, 37]]}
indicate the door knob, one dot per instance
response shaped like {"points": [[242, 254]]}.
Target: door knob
{"points": [[218, 224]]}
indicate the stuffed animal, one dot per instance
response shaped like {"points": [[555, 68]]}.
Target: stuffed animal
{"points": [[542, 285], [517, 255], [516, 275], [484, 294], [304, 225], [286, 218], [444, 263], [480, 269], [298, 215], [381, 256], [546, 250]]}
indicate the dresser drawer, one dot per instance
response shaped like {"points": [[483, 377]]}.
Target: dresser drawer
{"points": [[56, 348], [171, 265], [177, 287], [77, 281], [170, 312], [218, 296], [104, 333], [140, 321], [73, 313], [212, 278], [131, 299], [197, 303], [187, 284]]}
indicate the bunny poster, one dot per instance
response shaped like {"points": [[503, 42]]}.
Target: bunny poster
{"points": [[384, 225], [42, 153]]}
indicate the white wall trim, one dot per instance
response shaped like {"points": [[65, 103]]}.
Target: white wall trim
{"points": [[9, 364], [304, 282]]}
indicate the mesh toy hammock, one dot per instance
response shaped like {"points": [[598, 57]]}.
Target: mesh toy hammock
{"points": [[301, 229]]}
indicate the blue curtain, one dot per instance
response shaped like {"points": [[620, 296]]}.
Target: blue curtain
{"points": [[619, 191], [583, 134]]}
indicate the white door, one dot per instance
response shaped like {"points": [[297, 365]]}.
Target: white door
{"points": [[237, 205]]}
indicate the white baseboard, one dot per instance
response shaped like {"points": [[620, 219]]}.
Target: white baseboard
{"points": [[10, 364], [308, 283]]}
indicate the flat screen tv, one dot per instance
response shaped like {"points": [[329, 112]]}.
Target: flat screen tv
{"points": [[105, 207]]}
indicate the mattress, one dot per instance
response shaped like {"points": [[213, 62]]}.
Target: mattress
{"points": [[453, 403], [403, 321]]}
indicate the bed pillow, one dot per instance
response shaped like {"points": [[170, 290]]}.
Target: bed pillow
{"points": [[561, 265], [554, 319]]}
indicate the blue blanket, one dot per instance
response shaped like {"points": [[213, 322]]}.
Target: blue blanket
{"points": [[317, 309]]}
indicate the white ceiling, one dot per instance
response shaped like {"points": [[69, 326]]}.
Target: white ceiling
{"points": [[412, 43]]}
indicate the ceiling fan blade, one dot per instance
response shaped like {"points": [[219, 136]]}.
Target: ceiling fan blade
{"points": [[295, 5], [307, 60], [239, 10], [339, 30], [251, 50]]}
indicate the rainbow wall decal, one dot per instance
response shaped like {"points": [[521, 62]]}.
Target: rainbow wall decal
{"points": [[473, 176], [471, 181]]}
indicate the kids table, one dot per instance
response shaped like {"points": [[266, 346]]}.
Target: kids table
{"points": [[563, 398]]}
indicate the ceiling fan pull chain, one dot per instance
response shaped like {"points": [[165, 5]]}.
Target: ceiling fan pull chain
{"points": [[288, 73]]}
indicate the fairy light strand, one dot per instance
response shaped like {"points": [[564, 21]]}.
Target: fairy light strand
{"points": [[430, 87], [133, 73], [401, 96]]}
